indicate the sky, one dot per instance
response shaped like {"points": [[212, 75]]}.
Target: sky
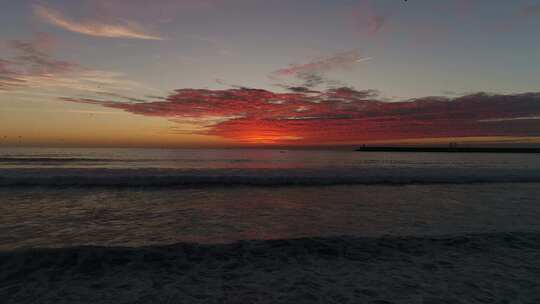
{"points": [[227, 73]]}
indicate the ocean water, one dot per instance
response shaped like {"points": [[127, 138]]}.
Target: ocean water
{"points": [[136, 197]]}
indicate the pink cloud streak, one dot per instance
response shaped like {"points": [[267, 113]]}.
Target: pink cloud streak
{"points": [[94, 27]]}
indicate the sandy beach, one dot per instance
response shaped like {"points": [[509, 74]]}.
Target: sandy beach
{"points": [[479, 268]]}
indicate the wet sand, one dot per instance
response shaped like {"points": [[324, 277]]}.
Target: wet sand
{"points": [[479, 268]]}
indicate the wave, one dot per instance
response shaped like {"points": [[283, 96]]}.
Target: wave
{"points": [[99, 177], [454, 269], [57, 160], [515, 239]]}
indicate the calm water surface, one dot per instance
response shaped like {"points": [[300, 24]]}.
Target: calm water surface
{"points": [[99, 203]]}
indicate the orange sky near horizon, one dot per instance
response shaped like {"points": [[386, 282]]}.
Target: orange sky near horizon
{"points": [[176, 74]]}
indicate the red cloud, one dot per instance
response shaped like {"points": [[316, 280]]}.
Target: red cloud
{"points": [[340, 115], [370, 18]]}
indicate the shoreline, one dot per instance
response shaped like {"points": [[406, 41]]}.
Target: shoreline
{"points": [[467, 268]]}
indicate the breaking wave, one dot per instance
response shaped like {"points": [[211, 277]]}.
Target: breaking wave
{"points": [[100, 177]]}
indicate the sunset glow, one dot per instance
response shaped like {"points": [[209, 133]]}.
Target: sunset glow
{"points": [[106, 73]]}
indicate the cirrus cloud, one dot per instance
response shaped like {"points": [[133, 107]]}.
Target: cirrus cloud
{"points": [[33, 64], [313, 73], [94, 27], [34, 71]]}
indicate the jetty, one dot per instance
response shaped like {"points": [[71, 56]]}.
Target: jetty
{"points": [[450, 149]]}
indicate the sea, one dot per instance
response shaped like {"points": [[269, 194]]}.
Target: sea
{"points": [[58, 197]]}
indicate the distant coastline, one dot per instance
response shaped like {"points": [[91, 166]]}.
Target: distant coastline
{"points": [[451, 149]]}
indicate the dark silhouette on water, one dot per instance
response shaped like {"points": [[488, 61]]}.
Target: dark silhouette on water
{"points": [[452, 148]]}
